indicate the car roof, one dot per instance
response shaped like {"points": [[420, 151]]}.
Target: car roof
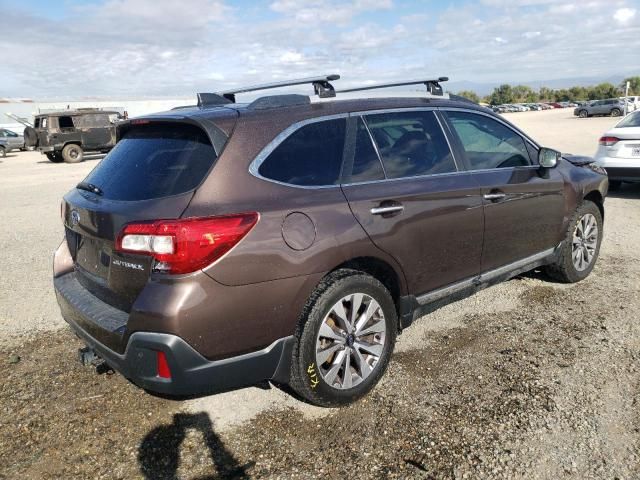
{"points": [[67, 113], [319, 109]]}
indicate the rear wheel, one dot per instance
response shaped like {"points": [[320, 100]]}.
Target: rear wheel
{"points": [[72, 153], [616, 112], [54, 157], [345, 341], [583, 114], [579, 250]]}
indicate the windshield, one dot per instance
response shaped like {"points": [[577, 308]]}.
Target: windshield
{"points": [[632, 120], [153, 161]]}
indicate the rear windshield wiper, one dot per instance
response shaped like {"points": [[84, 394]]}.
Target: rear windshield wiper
{"points": [[89, 187]]}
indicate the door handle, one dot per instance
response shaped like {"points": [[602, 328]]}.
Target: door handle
{"points": [[386, 210], [494, 196]]}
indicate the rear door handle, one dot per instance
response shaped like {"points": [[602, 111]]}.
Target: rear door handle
{"points": [[387, 210], [494, 196]]}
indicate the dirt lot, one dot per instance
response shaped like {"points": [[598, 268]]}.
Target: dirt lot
{"points": [[528, 379]]}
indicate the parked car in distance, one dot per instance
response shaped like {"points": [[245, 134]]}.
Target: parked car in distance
{"points": [[619, 151], [611, 106], [632, 103], [228, 244], [10, 141], [68, 134]]}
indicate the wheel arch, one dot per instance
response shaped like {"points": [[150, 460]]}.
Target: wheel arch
{"points": [[390, 277], [596, 197]]}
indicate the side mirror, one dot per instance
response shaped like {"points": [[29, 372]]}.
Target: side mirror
{"points": [[548, 158]]}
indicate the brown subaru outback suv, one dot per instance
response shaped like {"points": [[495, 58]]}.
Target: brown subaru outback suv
{"points": [[228, 244]]}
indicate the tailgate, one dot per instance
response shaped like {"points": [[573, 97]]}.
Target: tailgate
{"points": [[91, 228]]}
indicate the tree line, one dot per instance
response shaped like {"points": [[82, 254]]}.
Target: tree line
{"points": [[524, 94]]}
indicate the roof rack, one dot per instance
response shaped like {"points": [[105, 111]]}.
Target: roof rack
{"points": [[321, 87], [433, 86]]}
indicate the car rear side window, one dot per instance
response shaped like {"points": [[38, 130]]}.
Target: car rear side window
{"points": [[310, 156], [153, 161], [411, 144], [488, 143]]}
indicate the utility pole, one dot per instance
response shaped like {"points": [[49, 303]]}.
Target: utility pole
{"points": [[626, 98]]}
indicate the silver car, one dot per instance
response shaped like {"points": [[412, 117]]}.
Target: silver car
{"points": [[610, 106], [10, 141]]}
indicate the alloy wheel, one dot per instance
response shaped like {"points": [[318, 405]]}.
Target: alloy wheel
{"points": [[350, 341], [585, 242]]}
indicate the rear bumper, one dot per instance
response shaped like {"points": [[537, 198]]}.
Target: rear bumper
{"points": [[102, 328], [624, 174], [626, 169]]}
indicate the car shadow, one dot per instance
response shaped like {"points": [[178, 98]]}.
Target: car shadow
{"points": [[159, 452], [90, 159], [626, 190]]}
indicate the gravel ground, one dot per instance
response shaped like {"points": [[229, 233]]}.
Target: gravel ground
{"points": [[528, 379]]}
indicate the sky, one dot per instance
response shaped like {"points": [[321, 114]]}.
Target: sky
{"points": [[170, 48]]}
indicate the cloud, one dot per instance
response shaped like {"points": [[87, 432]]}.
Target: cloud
{"points": [[158, 47], [624, 15], [340, 12]]}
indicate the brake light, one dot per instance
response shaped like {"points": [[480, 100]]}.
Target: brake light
{"points": [[187, 245], [162, 366], [609, 141]]}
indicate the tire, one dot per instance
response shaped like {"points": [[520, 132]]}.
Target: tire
{"points": [[54, 157], [583, 114], [30, 137], [567, 269], [3, 152], [326, 384], [614, 185], [615, 112], [72, 153]]}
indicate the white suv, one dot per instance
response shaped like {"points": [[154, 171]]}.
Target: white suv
{"points": [[619, 151]]}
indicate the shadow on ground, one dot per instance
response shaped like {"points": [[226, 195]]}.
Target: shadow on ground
{"points": [[159, 452]]}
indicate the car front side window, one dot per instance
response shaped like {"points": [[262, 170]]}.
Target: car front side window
{"points": [[411, 144], [488, 143]]}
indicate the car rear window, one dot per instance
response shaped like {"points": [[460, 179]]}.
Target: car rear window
{"points": [[632, 120], [153, 161]]}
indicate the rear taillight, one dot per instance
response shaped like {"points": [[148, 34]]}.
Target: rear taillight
{"points": [[184, 246], [609, 141]]}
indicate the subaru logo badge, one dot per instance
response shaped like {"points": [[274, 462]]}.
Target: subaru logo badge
{"points": [[75, 217]]}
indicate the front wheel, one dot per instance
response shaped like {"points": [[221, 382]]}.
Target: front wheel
{"points": [[345, 340], [3, 152], [583, 114], [581, 246]]}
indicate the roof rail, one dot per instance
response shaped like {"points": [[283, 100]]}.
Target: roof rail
{"points": [[275, 101], [321, 86], [433, 86]]}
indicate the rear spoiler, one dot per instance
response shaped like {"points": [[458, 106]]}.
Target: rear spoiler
{"points": [[216, 131]]}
